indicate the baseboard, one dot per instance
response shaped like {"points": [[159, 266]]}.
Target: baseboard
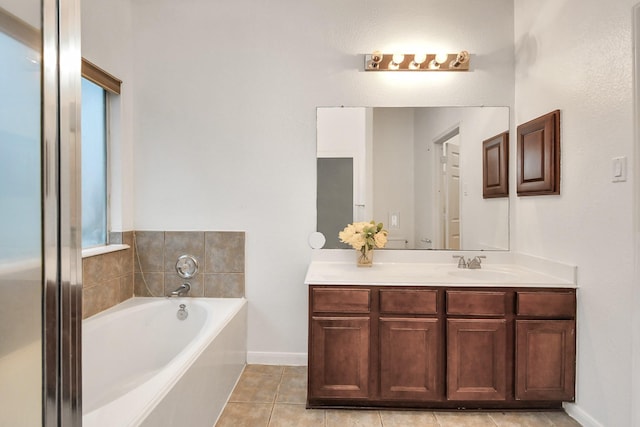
{"points": [[578, 414], [269, 358]]}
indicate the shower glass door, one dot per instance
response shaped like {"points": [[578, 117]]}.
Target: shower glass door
{"points": [[21, 289]]}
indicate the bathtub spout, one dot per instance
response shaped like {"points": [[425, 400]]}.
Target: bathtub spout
{"points": [[181, 291]]}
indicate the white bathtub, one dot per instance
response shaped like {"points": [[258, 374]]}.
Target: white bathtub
{"points": [[144, 367]]}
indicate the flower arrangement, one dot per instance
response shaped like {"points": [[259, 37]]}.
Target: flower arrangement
{"points": [[363, 237]]}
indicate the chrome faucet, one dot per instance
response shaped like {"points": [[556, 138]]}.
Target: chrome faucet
{"points": [[181, 291], [475, 263], [461, 262]]}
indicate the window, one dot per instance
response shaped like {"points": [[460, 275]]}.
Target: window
{"points": [[94, 164], [97, 87]]}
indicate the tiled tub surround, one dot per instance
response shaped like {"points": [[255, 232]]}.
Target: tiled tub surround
{"points": [[220, 256], [114, 277], [107, 279]]}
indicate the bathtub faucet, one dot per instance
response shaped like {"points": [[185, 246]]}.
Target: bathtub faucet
{"points": [[181, 291]]}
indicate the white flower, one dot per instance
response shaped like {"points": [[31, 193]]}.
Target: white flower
{"points": [[364, 235]]}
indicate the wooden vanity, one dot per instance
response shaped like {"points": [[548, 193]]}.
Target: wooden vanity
{"points": [[441, 346]]}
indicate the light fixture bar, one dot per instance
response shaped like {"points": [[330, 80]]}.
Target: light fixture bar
{"points": [[378, 61]]}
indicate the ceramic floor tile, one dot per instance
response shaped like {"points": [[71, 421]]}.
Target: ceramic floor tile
{"points": [[353, 418], [285, 415], [408, 419], [561, 419], [264, 369], [245, 415], [256, 388], [295, 370], [464, 419], [520, 419], [292, 389]]}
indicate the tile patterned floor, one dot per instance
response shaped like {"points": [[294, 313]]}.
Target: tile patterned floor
{"points": [[275, 396]]}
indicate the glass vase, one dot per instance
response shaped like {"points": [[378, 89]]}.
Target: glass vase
{"points": [[365, 257]]}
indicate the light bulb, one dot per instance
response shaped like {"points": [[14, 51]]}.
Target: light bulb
{"points": [[441, 58], [419, 58], [461, 58], [376, 56], [398, 58]]}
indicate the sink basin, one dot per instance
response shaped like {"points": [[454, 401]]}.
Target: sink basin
{"points": [[485, 275]]}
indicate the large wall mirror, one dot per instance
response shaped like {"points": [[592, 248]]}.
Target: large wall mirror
{"points": [[416, 169]]}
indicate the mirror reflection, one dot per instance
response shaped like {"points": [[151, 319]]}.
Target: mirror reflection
{"points": [[416, 169]]}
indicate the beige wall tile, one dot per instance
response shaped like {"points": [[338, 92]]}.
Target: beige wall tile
{"points": [[224, 252], [148, 284], [177, 243], [150, 251], [126, 287], [224, 285], [92, 270], [113, 265], [115, 237], [100, 297]]}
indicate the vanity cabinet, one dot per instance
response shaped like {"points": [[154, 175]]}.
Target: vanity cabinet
{"points": [[410, 335], [545, 346], [476, 345], [340, 335], [441, 347]]}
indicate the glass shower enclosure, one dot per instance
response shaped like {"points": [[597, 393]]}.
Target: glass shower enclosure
{"points": [[40, 270]]}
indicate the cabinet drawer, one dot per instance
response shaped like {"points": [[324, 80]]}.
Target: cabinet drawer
{"points": [[409, 301], [341, 300], [546, 304], [476, 303]]}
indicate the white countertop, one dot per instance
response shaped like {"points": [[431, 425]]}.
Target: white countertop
{"points": [[498, 270]]}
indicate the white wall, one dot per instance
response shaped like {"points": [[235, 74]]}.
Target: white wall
{"points": [[107, 34], [484, 222], [576, 55], [393, 177], [225, 108]]}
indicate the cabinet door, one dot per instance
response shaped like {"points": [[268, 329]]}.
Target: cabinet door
{"points": [[339, 357], [409, 367], [545, 359], [476, 359]]}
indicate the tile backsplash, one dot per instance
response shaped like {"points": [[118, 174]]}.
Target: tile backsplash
{"points": [[147, 268], [220, 256], [107, 279]]}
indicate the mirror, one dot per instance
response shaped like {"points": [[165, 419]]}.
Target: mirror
{"points": [[416, 169]]}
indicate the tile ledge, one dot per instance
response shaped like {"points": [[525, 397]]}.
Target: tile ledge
{"points": [[100, 250]]}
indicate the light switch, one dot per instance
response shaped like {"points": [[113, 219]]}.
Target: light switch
{"points": [[394, 220], [619, 169]]}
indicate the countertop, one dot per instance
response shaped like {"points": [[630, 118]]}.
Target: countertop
{"points": [[502, 271]]}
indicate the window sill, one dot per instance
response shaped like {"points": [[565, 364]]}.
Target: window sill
{"points": [[101, 250]]}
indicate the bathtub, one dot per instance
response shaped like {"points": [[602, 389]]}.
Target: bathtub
{"points": [[142, 366]]}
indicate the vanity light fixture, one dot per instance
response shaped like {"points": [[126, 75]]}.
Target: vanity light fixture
{"points": [[378, 61]]}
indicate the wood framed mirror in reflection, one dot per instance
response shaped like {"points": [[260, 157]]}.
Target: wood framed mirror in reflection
{"points": [[416, 169]]}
